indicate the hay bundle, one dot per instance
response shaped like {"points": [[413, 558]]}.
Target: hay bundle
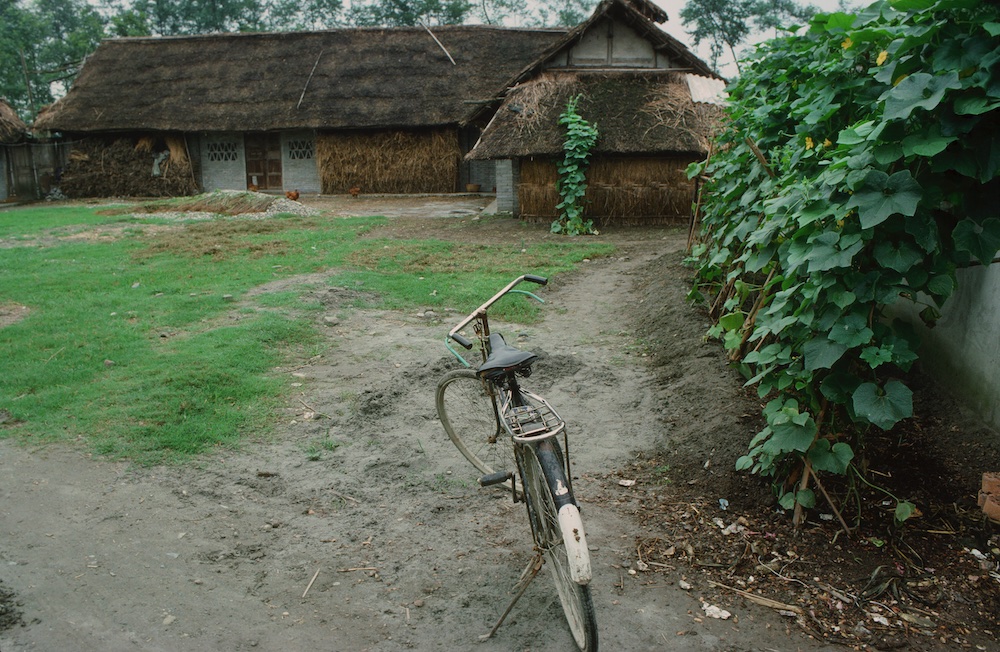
{"points": [[620, 190], [391, 162], [123, 167]]}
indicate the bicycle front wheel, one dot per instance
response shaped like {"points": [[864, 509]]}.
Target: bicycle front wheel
{"points": [[575, 598], [468, 414]]}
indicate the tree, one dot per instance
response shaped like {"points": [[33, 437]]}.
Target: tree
{"points": [[396, 13], [42, 45], [726, 24], [563, 13]]}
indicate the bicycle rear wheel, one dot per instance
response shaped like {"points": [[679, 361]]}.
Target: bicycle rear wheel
{"points": [[468, 415], [575, 598]]}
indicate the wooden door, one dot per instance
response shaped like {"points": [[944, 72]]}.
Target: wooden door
{"points": [[263, 154]]}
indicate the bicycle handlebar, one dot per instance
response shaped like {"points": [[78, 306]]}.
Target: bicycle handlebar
{"points": [[453, 334]]}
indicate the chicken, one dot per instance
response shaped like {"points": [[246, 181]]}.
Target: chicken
{"points": [[253, 187], [355, 191], [292, 194]]}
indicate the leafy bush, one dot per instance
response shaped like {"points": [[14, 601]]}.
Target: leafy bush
{"points": [[858, 169]]}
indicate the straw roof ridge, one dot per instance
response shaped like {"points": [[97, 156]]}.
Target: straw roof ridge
{"points": [[359, 78]]}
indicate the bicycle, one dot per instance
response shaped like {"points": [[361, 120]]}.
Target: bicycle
{"points": [[511, 434]]}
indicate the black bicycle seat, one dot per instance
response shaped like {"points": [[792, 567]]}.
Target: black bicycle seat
{"points": [[504, 358]]}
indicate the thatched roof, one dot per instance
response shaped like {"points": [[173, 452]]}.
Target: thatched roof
{"points": [[635, 113], [12, 128], [348, 78]]}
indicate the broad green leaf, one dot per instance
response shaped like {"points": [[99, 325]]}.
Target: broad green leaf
{"points": [[876, 355], [883, 407], [927, 143], [899, 257], [791, 430], [787, 501], [904, 510], [832, 459], [732, 321], [919, 90], [806, 498], [925, 232], [851, 330], [975, 105], [941, 285], [841, 298], [821, 353], [980, 240], [881, 195]]}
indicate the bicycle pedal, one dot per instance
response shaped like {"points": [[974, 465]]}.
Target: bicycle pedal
{"points": [[495, 478]]}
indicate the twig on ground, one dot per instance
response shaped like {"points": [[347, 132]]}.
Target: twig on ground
{"points": [[309, 586], [762, 601]]}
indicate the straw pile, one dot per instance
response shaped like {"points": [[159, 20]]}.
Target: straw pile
{"points": [[621, 191], [390, 162], [123, 167]]}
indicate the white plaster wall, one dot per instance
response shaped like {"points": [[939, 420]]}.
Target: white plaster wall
{"points": [[612, 44], [963, 349], [299, 170]]}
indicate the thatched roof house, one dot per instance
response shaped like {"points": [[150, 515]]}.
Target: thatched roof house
{"points": [[383, 110], [337, 79], [635, 83], [386, 110]]}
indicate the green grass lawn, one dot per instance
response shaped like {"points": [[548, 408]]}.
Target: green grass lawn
{"points": [[130, 341]]}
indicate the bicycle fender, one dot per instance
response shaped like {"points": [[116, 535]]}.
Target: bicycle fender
{"points": [[576, 544]]}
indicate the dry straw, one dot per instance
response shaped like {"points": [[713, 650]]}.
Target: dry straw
{"points": [[393, 162]]}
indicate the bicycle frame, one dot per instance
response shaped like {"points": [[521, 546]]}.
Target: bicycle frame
{"points": [[530, 420], [482, 326]]}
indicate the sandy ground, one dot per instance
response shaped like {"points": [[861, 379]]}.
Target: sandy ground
{"points": [[359, 527]]}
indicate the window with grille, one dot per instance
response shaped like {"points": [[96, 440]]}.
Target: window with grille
{"points": [[222, 151], [300, 149]]}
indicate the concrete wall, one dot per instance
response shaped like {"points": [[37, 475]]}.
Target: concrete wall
{"points": [[507, 177], [963, 349], [223, 166], [299, 170]]}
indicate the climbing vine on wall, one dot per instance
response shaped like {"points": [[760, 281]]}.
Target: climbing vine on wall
{"points": [[858, 170], [580, 139]]}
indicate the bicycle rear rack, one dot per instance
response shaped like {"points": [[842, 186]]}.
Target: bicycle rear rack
{"points": [[534, 421]]}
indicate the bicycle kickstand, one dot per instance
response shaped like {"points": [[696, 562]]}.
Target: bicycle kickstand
{"points": [[529, 573]]}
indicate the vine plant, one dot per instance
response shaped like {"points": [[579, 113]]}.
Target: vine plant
{"points": [[857, 171], [580, 139]]}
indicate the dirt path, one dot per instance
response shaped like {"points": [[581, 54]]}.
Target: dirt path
{"points": [[359, 527], [362, 501]]}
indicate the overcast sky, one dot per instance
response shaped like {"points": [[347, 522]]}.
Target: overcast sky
{"points": [[727, 68]]}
